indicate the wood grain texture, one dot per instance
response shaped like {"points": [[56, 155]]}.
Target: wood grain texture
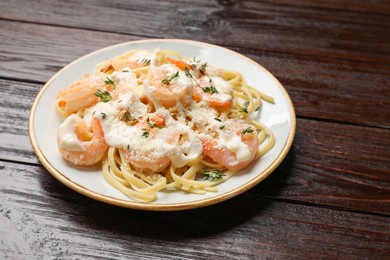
{"points": [[31, 52], [14, 113], [319, 87], [351, 6], [251, 24], [329, 199], [329, 164], [335, 165], [54, 221], [332, 89]]}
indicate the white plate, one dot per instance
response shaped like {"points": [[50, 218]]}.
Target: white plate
{"points": [[279, 117]]}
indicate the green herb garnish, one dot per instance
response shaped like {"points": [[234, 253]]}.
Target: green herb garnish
{"points": [[244, 110], [210, 89], [168, 80], [202, 69], [146, 61], [221, 127], [104, 115], [219, 120], [149, 124], [212, 175], [104, 95], [145, 133], [189, 75], [109, 81], [247, 131], [127, 116], [187, 72]]}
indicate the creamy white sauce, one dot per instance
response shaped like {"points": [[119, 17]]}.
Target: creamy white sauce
{"points": [[230, 140], [240, 149], [221, 85], [119, 135], [183, 81], [132, 104], [124, 78], [67, 138], [188, 150]]}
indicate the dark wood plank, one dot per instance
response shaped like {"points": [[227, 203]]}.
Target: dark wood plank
{"points": [[14, 113], [332, 89], [320, 87], [330, 164], [54, 221], [252, 24], [34, 53], [374, 7], [335, 165]]}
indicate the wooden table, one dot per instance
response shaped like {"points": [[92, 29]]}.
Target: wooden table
{"points": [[330, 198]]}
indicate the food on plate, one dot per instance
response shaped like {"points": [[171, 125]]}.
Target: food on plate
{"points": [[157, 121]]}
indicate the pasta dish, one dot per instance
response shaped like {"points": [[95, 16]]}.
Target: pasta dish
{"points": [[155, 120]]}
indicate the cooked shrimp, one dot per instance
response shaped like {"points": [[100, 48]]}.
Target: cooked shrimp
{"points": [[81, 94], [219, 101], [147, 162], [151, 121], [216, 91], [179, 63], [118, 63], [79, 146], [166, 86], [245, 134], [152, 161]]}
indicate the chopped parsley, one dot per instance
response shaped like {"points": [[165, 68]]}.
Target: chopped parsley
{"points": [[258, 108], [104, 95], [128, 147], [109, 81], [202, 69], [189, 75], [212, 174], [187, 72], [221, 127], [168, 80], [104, 115], [145, 133], [244, 110], [247, 131], [127, 116], [210, 89], [216, 118], [149, 124], [146, 61]]}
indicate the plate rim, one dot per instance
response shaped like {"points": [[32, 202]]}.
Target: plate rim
{"points": [[171, 206]]}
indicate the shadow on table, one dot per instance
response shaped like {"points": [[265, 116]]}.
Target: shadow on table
{"points": [[167, 226]]}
